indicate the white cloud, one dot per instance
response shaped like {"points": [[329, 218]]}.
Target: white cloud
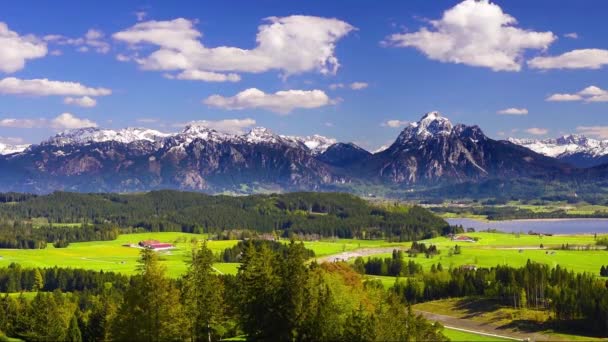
{"points": [[45, 87], [207, 76], [353, 86], [575, 59], [358, 85], [589, 94], [328, 124], [600, 132], [564, 97], [291, 45], [281, 102], [571, 35], [92, 39], [15, 50], [60, 122], [69, 121], [476, 33], [537, 131], [395, 123], [514, 111], [233, 126], [84, 101]]}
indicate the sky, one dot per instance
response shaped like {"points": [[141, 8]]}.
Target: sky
{"points": [[356, 71]]}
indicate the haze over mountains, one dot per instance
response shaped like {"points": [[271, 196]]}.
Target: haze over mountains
{"points": [[429, 153]]}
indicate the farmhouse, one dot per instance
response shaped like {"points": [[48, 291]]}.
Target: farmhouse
{"points": [[156, 245], [463, 238]]}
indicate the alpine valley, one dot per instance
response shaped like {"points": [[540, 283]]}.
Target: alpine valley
{"points": [[429, 157]]}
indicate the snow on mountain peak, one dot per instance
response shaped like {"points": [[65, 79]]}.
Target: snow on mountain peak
{"points": [[10, 149], [316, 143], [565, 145], [432, 124], [92, 135], [261, 135]]}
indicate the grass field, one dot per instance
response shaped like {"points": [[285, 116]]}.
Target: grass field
{"points": [[504, 249], [112, 256]]}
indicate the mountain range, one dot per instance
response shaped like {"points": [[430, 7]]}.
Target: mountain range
{"points": [[577, 150], [429, 153]]}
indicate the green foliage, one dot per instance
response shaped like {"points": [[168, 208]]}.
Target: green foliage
{"points": [[323, 214]]}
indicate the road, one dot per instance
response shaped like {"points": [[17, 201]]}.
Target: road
{"points": [[483, 328]]}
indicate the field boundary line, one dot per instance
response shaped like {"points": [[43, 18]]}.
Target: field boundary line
{"points": [[218, 271], [482, 333]]}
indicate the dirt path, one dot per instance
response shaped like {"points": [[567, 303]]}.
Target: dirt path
{"points": [[483, 328], [345, 256]]}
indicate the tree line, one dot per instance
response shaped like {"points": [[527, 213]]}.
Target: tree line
{"points": [[275, 296], [578, 299], [320, 214]]}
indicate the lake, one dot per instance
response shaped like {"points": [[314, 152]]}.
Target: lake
{"points": [[547, 226]]}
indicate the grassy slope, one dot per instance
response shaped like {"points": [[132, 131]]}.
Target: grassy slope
{"points": [[489, 312]]}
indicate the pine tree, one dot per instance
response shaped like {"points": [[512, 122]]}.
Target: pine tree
{"points": [[203, 296], [38, 281], [151, 309], [73, 334]]}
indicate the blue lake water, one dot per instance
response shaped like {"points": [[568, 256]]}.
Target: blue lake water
{"points": [[549, 226]]}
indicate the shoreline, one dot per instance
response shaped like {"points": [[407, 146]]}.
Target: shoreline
{"points": [[530, 220]]}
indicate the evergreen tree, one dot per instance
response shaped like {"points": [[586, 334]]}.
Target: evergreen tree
{"points": [[38, 281], [73, 333], [203, 296], [151, 310]]}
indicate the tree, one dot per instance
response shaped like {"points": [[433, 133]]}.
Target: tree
{"points": [[73, 334], [38, 281], [203, 296], [257, 301], [151, 310]]}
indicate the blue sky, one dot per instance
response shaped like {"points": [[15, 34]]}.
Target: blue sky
{"points": [[403, 58]]}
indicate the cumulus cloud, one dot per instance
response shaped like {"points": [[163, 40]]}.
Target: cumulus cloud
{"points": [[92, 39], [395, 123], [206, 76], [514, 111], [45, 87], [600, 132], [60, 122], [15, 50], [69, 121], [589, 94], [84, 101], [233, 126], [575, 59], [537, 131], [571, 35], [476, 33], [291, 45], [281, 102], [353, 86]]}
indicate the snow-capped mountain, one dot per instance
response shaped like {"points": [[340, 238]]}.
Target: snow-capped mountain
{"points": [[317, 144], [577, 150], [96, 135], [10, 149], [433, 150], [430, 152]]}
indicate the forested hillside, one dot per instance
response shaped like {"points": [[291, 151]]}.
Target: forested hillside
{"points": [[323, 214]]}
